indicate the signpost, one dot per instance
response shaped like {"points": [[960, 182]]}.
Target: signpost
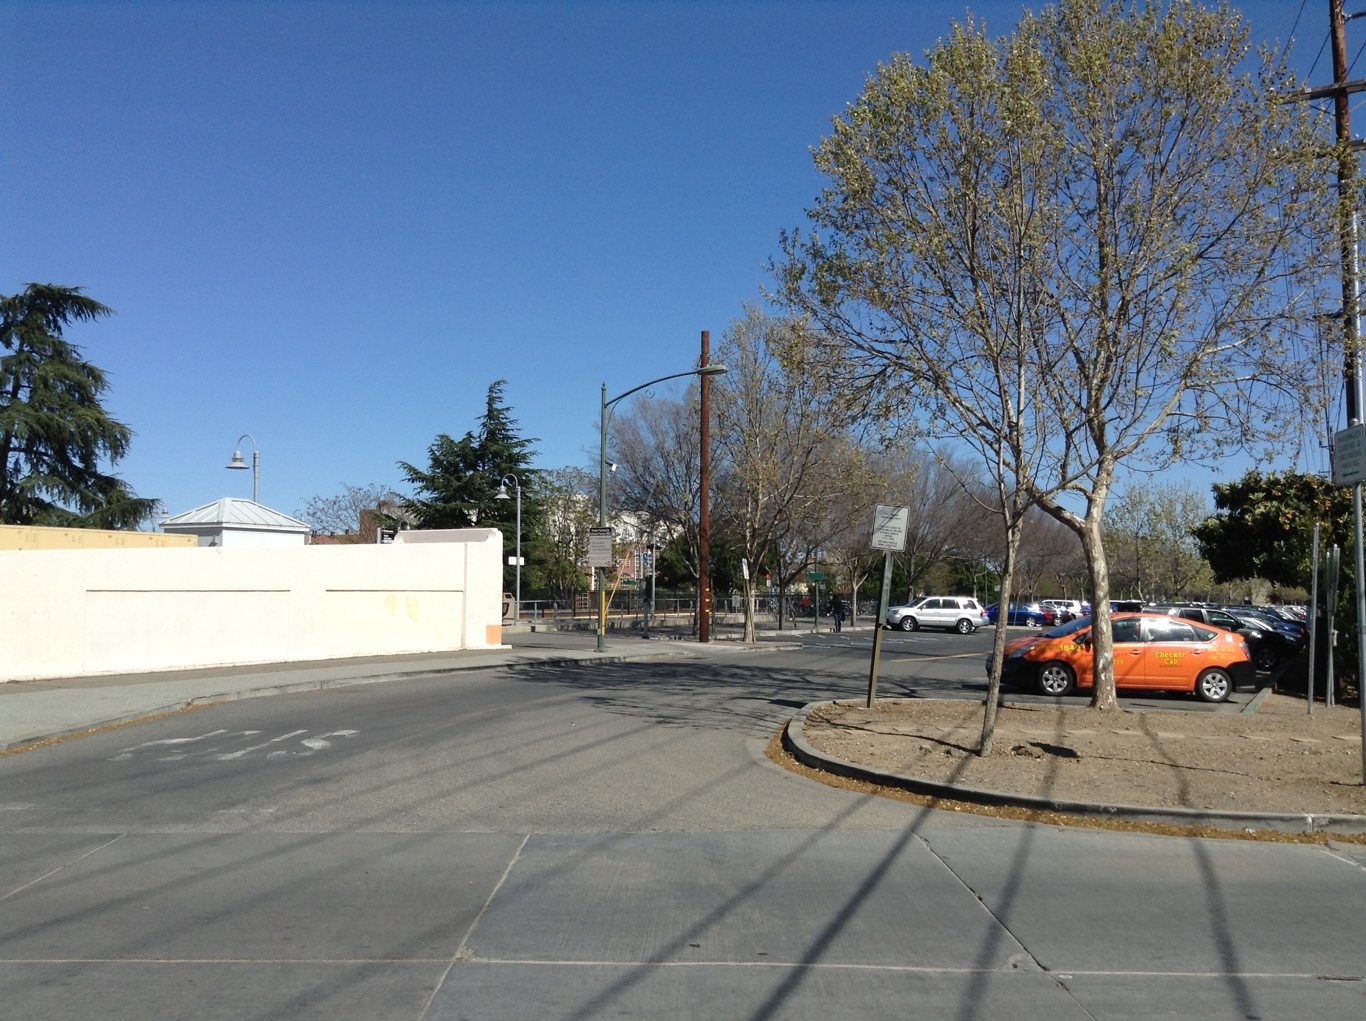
{"points": [[1349, 456], [889, 535], [1349, 469], [600, 547]]}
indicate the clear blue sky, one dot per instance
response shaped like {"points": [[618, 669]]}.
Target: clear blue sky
{"points": [[334, 225]]}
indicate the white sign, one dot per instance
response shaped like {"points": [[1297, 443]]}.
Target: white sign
{"points": [[1349, 456], [600, 548], [889, 527], [516, 561]]}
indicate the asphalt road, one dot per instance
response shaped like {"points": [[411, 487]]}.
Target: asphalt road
{"points": [[609, 841]]}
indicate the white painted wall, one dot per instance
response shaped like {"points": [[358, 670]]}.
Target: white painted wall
{"points": [[68, 613]]}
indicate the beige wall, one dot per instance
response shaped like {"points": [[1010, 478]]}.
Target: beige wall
{"points": [[67, 613], [29, 537]]}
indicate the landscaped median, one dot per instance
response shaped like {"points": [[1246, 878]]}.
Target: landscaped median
{"points": [[1276, 769]]}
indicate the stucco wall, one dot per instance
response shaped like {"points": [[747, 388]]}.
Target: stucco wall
{"points": [[67, 613], [30, 537]]}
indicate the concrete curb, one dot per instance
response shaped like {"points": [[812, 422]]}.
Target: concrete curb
{"points": [[794, 740], [1255, 702]]}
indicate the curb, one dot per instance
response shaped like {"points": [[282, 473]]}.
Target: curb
{"points": [[1255, 702], [794, 740]]}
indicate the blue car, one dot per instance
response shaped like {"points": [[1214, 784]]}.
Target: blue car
{"points": [[1024, 615]]}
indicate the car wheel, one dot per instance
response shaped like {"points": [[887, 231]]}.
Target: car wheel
{"points": [[909, 624], [1031, 622], [1056, 679], [1265, 659], [965, 627], [1214, 685]]}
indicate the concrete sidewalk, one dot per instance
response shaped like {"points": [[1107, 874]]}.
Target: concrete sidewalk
{"points": [[36, 711]]}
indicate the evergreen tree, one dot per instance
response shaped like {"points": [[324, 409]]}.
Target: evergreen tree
{"points": [[54, 432], [459, 487]]}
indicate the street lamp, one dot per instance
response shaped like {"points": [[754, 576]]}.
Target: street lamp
{"points": [[705, 370], [238, 463], [503, 495]]}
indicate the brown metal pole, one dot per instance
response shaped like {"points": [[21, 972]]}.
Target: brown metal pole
{"points": [[704, 504], [1347, 224]]}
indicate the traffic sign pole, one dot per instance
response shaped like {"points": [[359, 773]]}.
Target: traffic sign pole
{"points": [[889, 535], [877, 626]]}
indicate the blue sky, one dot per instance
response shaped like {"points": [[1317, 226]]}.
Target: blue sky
{"points": [[332, 226]]}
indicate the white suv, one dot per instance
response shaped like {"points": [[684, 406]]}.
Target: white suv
{"points": [[956, 613]]}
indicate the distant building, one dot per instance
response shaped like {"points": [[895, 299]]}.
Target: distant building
{"points": [[234, 522]]}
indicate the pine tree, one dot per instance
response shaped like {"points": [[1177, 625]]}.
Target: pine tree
{"points": [[54, 432], [459, 488]]}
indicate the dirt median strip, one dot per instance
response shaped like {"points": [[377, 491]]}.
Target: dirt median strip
{"points": [[1278, 770]]}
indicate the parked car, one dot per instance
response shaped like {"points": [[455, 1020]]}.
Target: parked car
{"points": [[1066, 609], [1299, 630], [1266, 644], [1024, 615], [956, 613], [1151, 651]]}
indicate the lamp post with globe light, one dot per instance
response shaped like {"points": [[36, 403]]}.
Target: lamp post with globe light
{"points": [[238, 463]]}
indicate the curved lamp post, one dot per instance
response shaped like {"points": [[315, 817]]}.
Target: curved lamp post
{"points": [[238, 463], [503, 495], [705, 370]]}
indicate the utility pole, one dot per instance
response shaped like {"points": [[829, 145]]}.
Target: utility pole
{"points": [[1347, 219], [704, 503], [1345, 152]]}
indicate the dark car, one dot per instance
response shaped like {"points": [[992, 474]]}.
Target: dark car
{"points": [[1023, 615], [1267, 645]]}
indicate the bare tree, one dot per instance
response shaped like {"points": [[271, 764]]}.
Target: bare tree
{"points": [[780, 440], [1091, 242], [1149, 531], [340, 513], [655, 443]]}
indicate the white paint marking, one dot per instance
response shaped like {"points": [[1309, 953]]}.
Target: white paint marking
{"points": [[177, 740], [254, 748]]}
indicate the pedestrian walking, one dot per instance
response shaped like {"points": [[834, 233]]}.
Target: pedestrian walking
{"points": [[837, 611]]}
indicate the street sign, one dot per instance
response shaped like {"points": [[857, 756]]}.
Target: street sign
{"points": [[1349, 456], [889, 527], [816, 576], [600, 547]]}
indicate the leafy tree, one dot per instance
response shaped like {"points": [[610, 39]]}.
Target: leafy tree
{"points": [[459, 487], [1263, 526], [569, 509], [55, 434], [1090, 243]]}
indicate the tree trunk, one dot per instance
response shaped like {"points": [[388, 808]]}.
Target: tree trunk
{"points": [[998, 648], [1102, 640]]}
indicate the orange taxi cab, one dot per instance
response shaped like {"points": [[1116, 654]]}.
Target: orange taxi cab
{"points": [[1151, 651]]}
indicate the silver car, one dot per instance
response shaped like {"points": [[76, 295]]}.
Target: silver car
{"points": [[954, 613]]}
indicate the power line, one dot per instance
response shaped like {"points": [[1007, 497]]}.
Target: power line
{"points": [[1297, 20], [1315, 64]]}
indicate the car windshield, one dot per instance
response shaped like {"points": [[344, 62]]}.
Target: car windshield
{"points": [[1070, 628]]}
